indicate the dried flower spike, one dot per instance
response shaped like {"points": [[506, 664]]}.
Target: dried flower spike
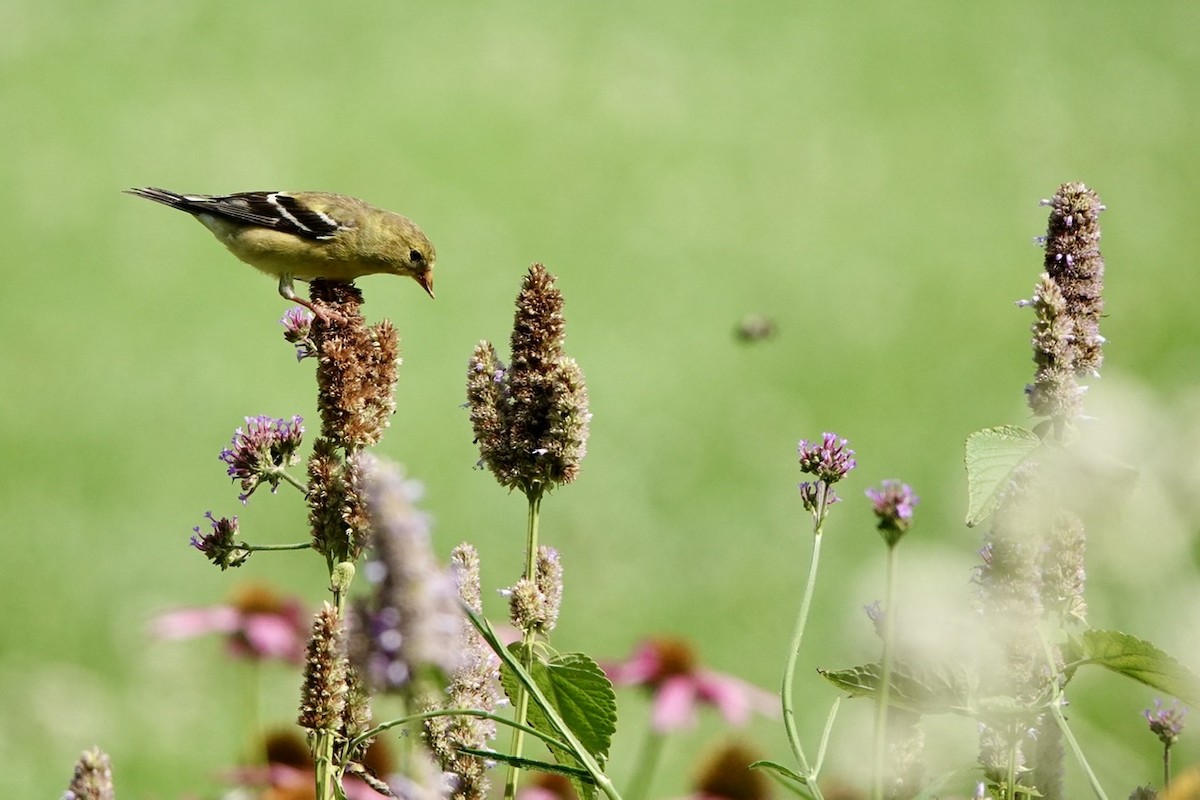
{"points": [[356, 370], [474, 684], [323, 696], [1068, 303], [531, 418], [93, 777]]}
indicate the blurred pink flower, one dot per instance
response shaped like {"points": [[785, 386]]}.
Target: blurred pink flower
{"points": [[258, 625], [667, 669], [288, 772]]}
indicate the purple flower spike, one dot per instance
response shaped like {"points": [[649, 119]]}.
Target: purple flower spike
{"points": [[263, 451], [893, 504], [830, 461]]}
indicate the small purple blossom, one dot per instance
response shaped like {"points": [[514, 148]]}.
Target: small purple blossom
{"points": [[220, 546], [263, 451], [876, 614], [830, 461], [810, 495], [1166, 723], [893, 503], [297, 329]]}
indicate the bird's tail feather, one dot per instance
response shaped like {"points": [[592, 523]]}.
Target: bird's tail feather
{"points": [[168, 198]]}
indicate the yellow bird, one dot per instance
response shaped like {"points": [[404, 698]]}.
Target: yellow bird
{"points": [[307, 235]]}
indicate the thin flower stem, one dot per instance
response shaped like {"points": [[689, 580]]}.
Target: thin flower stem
{"points": [[455, 712], [1010, 777], [287, 476], [252, 548], [1166, 767], [885, 678], [521, 704], [647, 764], [1093, 781], [816, 770], [789, 672]]}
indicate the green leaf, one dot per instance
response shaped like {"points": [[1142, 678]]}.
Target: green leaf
{"points": [[789, 779], [530, 764], [582, 696], [1141, 661], [937, 689], [992, 456]]}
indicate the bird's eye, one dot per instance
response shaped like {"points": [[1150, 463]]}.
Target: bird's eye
{"points": [[416, 256]]}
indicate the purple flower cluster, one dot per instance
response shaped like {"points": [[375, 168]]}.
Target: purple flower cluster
{"points": [[297, 329], [220, 546], [830, 460], [1166, 723], [263, 451], [893, 503]]}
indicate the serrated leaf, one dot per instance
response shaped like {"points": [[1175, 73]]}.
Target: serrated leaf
{"points": [[582, 696], [925, 690], [992, 456], [1141, 661]]}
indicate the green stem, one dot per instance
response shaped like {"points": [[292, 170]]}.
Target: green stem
{"points": [[521, 703], [253, 548], [1166, 767], [327, 776], [647, 764], [789, 671], [287, 476], [455, 712], [885, 678], [575, 747], [1093, 781], [1010, 777]]}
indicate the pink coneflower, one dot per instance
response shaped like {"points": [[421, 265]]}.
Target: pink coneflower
{"points": [[258, 624], [667, 668]]}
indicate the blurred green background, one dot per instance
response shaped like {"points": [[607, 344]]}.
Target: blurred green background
{"points": [[867, 177]]}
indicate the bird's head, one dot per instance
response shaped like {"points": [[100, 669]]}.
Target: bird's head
{"points": [[408, 251]]}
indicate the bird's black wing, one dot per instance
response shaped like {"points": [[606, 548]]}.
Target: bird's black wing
{"points": [[275, 210]]}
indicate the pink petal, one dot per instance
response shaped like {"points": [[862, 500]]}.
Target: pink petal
{"points": [[643, 665], [674, 704], [189, 622], [272, 636], [734, 698]]}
